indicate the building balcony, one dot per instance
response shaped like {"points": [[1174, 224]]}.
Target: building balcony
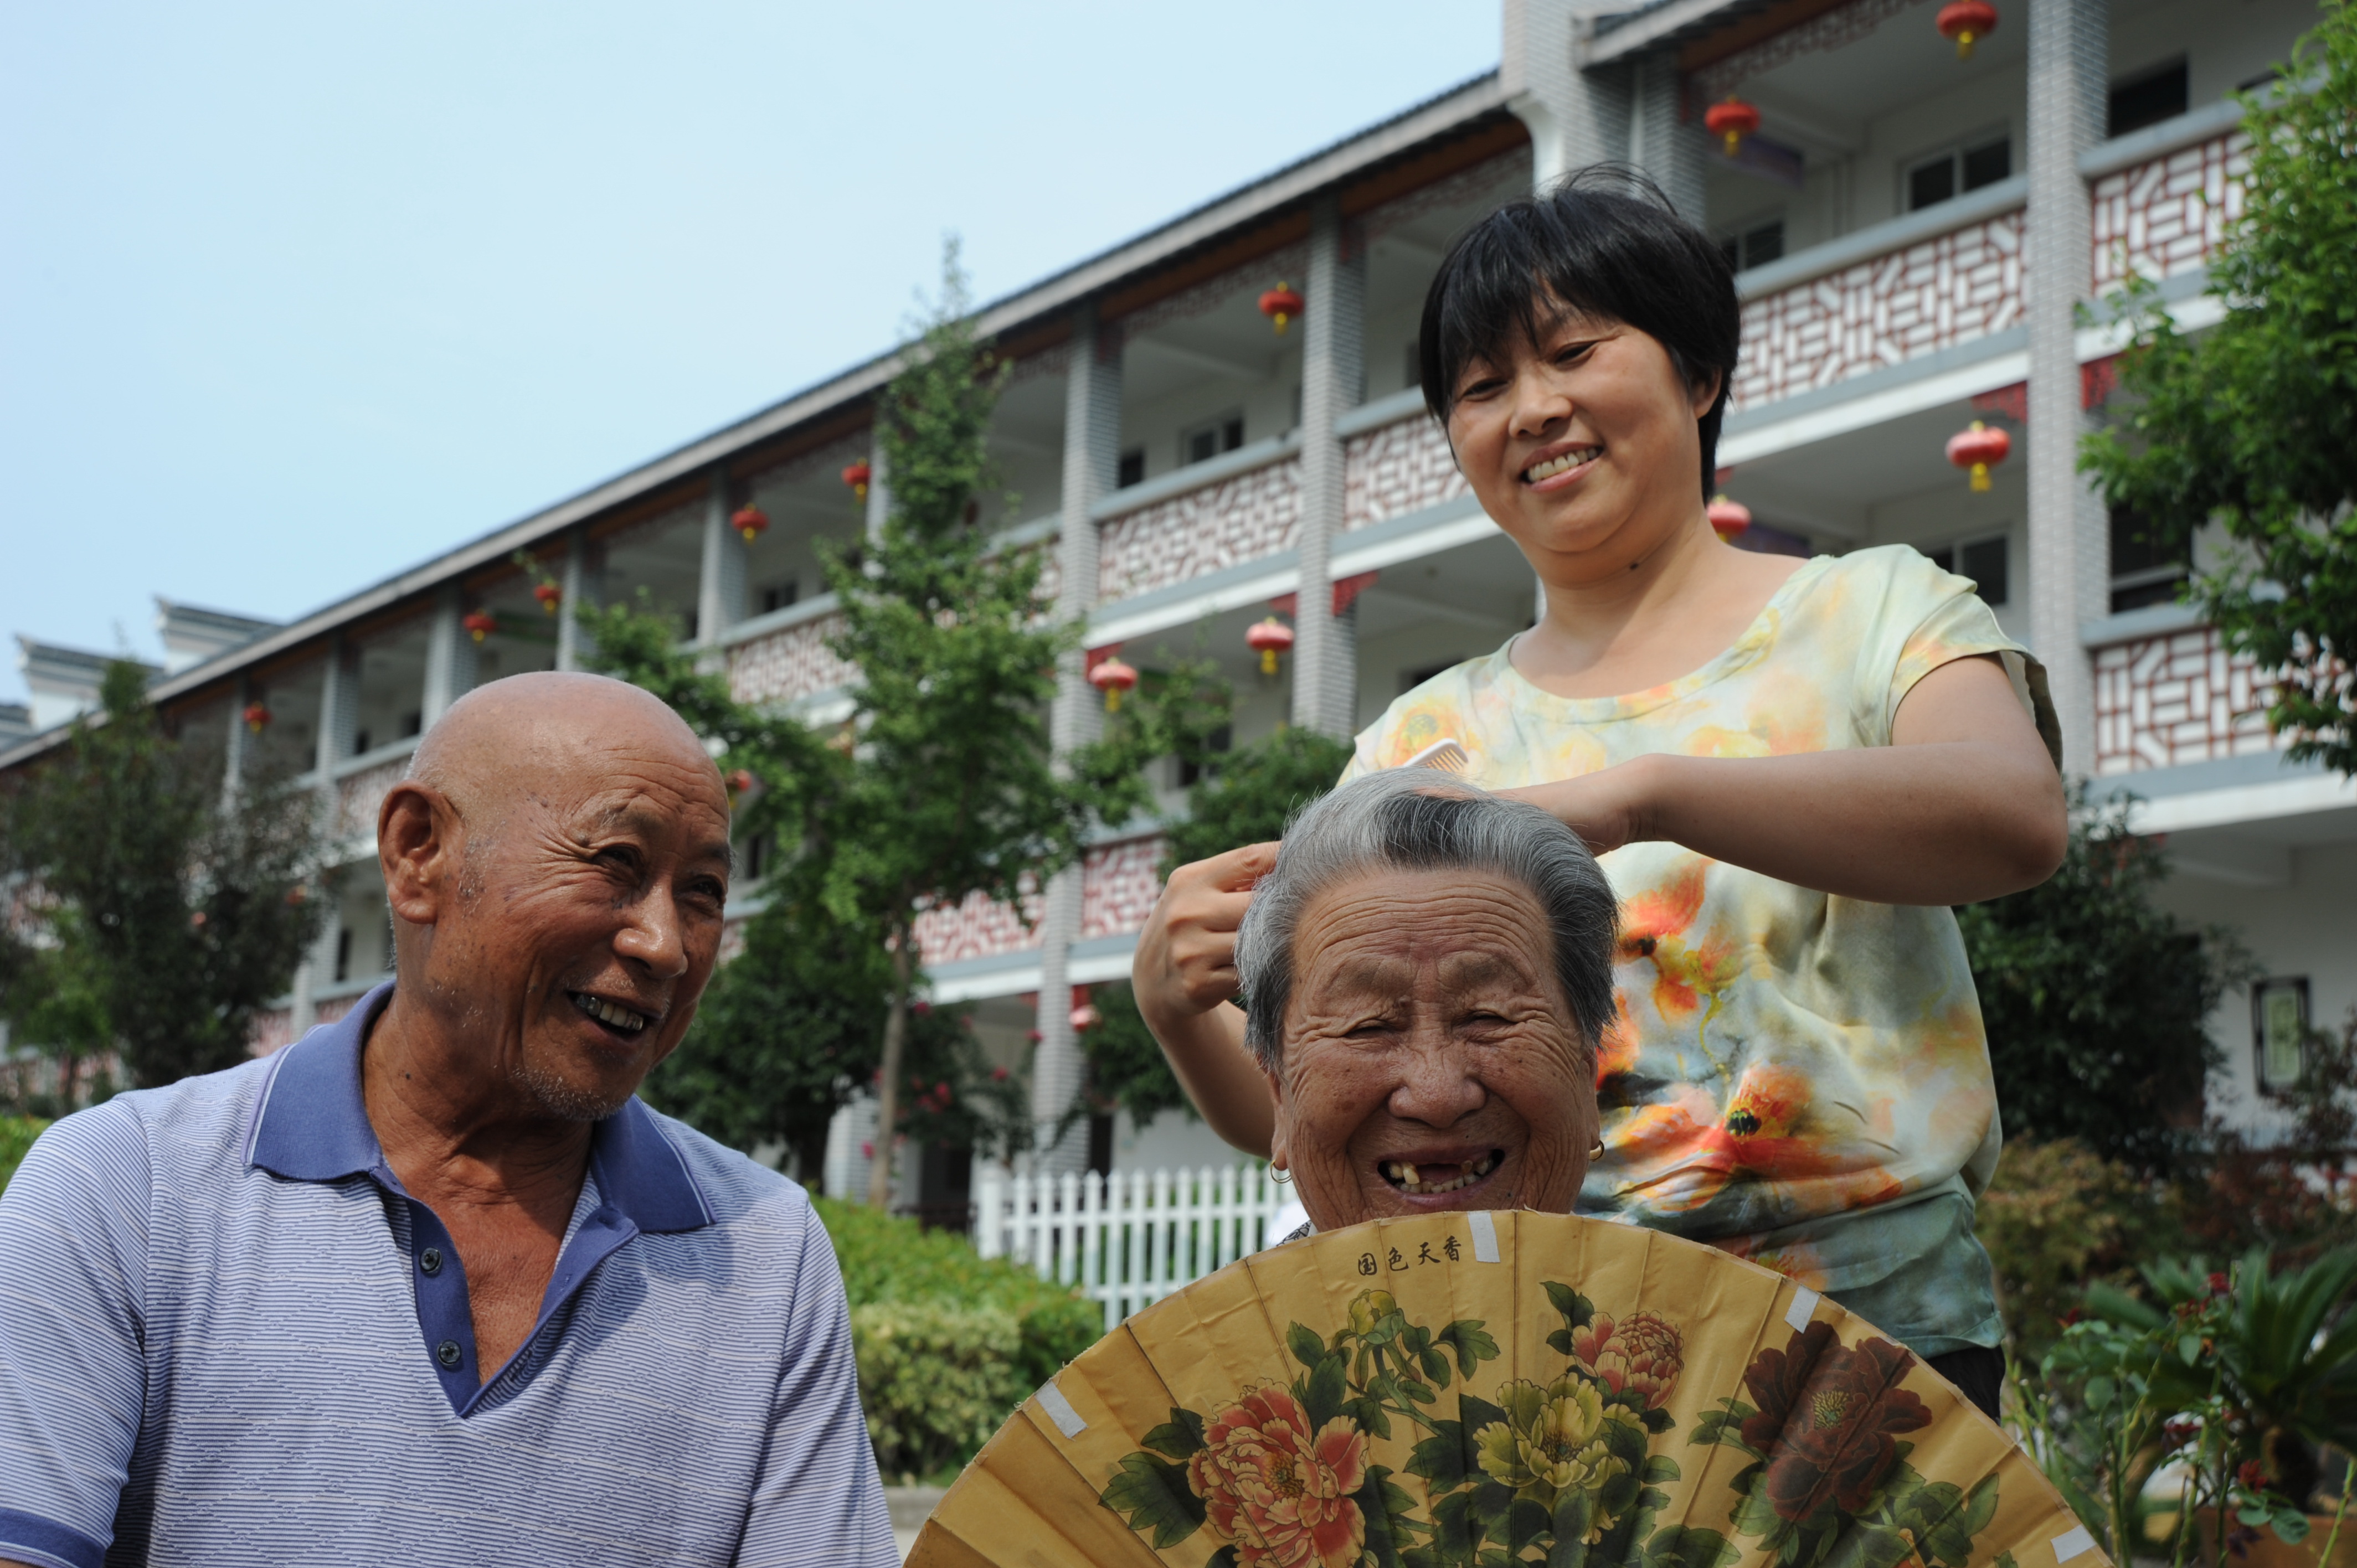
{"points": [[2168, 692], [1948, 278]]}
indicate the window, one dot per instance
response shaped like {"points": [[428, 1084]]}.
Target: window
{"points": [[1756, 246], [2147, 567], [344, 953], [1982, 560], [2147, 99], [1212, 437], [781, 595], [1132, 469], [1935, 180], [1414, 360], [2279, 1031], [1220, 740]]}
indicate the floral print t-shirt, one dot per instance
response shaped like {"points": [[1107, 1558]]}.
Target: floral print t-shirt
{"points": [[1799, 1078]]}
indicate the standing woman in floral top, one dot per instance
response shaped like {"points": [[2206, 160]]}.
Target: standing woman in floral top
{"points": [[1791, 769]]}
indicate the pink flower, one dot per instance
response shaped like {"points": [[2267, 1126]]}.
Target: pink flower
{"points": [[1640, 1354], [1281, 1493]]}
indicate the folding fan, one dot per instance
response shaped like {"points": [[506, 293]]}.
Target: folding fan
{"points": [[1489, 1388]]}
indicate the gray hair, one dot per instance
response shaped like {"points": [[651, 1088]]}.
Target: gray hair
{"points": [[1412, 819]]}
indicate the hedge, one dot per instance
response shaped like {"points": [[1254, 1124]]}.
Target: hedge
{"points": [[948, 1344]]}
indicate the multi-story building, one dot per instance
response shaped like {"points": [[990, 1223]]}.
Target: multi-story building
{"points": [[1915, 232]]}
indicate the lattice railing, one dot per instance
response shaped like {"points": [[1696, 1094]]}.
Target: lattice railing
{"points": [[2175, 698], [2167, 214], [1934, 294]]}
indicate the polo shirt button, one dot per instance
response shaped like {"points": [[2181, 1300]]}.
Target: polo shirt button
{"points": [[430, 1259], [449, 1354]]}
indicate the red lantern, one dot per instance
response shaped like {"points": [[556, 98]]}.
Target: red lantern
{"points": [[256, 715], [1113, 678], [1729, 517], [857, 476], [483, 623], [749, 520], [1281, 304], [1966, 22], [1271, 637], [739, 781], [550, 596], [1979, 449], [1731, 120]]}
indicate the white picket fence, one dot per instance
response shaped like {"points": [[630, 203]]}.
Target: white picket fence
{"points": [[1130, 1239]]}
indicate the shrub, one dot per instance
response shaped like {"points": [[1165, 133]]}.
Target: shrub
{"points": [[16, 1136], [948, 1342], [2058, 1217], [937, 1379]]}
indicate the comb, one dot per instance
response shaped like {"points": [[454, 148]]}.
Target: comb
{"points": [[1443, 756]]}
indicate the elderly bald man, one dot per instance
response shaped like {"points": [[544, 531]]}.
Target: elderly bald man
{"points": [[430, 1286]]}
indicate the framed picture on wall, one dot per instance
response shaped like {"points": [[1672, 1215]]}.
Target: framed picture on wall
{"points": [[2279, 1031]]}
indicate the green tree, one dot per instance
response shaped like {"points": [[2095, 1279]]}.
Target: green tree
{"points": [[171, 911], [2095, 999], [943, 785], [2254, 422], [1254, 792]]}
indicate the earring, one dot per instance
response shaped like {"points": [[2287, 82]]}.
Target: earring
{"points": [[1597, 1152], [1280, 1175]]}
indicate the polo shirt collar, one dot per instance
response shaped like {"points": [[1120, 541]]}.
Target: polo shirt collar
{"points": [[312, 1125]]}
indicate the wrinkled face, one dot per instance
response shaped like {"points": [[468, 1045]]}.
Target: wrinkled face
{"points": [[587, 918], [1584, 447], [1430, 1060]]}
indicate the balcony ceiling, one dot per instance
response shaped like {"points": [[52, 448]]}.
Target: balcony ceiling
{"points": [[1901, 63]]}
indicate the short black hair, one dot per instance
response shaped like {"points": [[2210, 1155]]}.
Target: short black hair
{"points": [[1605, 242]]}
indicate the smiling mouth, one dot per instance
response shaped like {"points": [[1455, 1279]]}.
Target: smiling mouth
{"points": [[1562, 463], [613, 1015], [1431, 1180]]}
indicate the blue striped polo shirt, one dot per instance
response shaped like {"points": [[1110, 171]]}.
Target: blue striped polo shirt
{"points": [[227, 1335]]}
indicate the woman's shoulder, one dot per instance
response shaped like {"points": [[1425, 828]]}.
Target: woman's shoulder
{"points": [[1885, 569]]}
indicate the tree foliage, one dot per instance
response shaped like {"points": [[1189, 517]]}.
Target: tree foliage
{"points": [[2254, 422], [166, 912], [1255, 792], [2095, 999], [939, 786]]}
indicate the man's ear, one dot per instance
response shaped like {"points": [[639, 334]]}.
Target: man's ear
{"points": [[417, 845]]}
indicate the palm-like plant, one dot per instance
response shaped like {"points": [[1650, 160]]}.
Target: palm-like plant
{"points": [[2285, 1349]]}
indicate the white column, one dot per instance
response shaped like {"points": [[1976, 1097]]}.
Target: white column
{"points": [[879, 490], [1577, 116], [720, 584], [1331, 371], [449, 656], [338, 719], [2070, 542], [572, 642], [1672, 152], [233, 750], [1091, 461]]}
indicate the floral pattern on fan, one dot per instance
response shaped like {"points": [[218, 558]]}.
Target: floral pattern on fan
{"points": [[1560, 1471]]}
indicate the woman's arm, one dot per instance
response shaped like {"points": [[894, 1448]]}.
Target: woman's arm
{"points": [[1964, 804], [1183, 975]]}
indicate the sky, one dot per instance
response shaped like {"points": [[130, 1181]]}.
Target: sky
{"points": [[293, 296]]}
